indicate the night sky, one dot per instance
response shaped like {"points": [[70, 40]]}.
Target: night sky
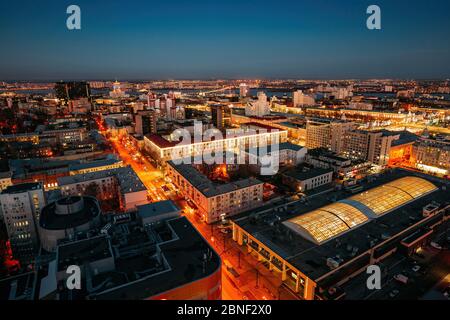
{"points": [[137, 40]]}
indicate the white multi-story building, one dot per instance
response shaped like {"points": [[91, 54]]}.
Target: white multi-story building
{"points": [[299, 99], [255, 134], [373, 146], [326, 134], [243, 90], [21, 205], [120, 182], [258, 108]]}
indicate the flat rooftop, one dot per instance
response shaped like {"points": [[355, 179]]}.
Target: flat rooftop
{"points": [[51, 220], [206, 186], [93, 164], [301, 175], [127, 179], [23, 187], [157, 208], [311, 257], [20, 287], [268, 149], [80, 252], [184, 256]]}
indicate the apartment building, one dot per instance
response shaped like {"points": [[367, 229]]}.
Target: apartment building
{"points": [[121, 183], [373, 146], [255, 134], [432, 155], [323, 133], [215, 201], [21, 205]]}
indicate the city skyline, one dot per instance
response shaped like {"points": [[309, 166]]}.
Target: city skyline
{"points": [[231, 40], [225, 152]]}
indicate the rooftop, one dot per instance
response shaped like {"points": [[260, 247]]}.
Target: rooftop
{"points": [[23, 187], [342, 227], [138, 269], [52, 219], [406, 137], [205, 185], [332, 220], [268, 149], [157, 208], [303, 173], [20, 287], [79, 252], [92, 164], [127, 179]]}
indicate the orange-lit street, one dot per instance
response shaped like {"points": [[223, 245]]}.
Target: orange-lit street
{"points": [[243, 278]]}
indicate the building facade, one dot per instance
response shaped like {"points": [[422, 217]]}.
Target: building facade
{"points": [[21, 206], [215, 201]]}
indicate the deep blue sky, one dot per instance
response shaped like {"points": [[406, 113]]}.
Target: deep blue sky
{"points": [[224, 39]]}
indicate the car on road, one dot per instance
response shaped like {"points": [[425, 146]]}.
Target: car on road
{"points": [[416, 268], [394, 293], [435, 245], [225, 230], [401, 278], [446, 291]]}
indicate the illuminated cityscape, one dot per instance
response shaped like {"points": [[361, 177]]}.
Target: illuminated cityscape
{"points": [[261, 187]]}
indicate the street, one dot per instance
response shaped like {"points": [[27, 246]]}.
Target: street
{"points": [[254, 281]]}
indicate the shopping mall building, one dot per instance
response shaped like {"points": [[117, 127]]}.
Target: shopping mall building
{"points": [[316, 246]]}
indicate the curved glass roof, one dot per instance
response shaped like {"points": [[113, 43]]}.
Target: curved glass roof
{"points": [[318, 225], [392, 195], [330, 221]]}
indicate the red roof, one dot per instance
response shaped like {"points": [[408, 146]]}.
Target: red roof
{"points": [[160, 141], [263, 126]]}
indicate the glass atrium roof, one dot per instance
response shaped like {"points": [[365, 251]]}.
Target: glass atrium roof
{"points": [[330, 221]]}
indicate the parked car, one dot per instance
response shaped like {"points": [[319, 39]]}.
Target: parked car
{"points": [[436, 245], [401, 278], [225, 230], [394, 293], [416, 268]]}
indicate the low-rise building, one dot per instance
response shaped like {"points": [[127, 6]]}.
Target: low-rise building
{"points": [[153, 212], [5, 175], [215, 201], [305, 179], [109, 163], [343, 168], [285, 154], [122, 183], [317, 248], [165, 260]]}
